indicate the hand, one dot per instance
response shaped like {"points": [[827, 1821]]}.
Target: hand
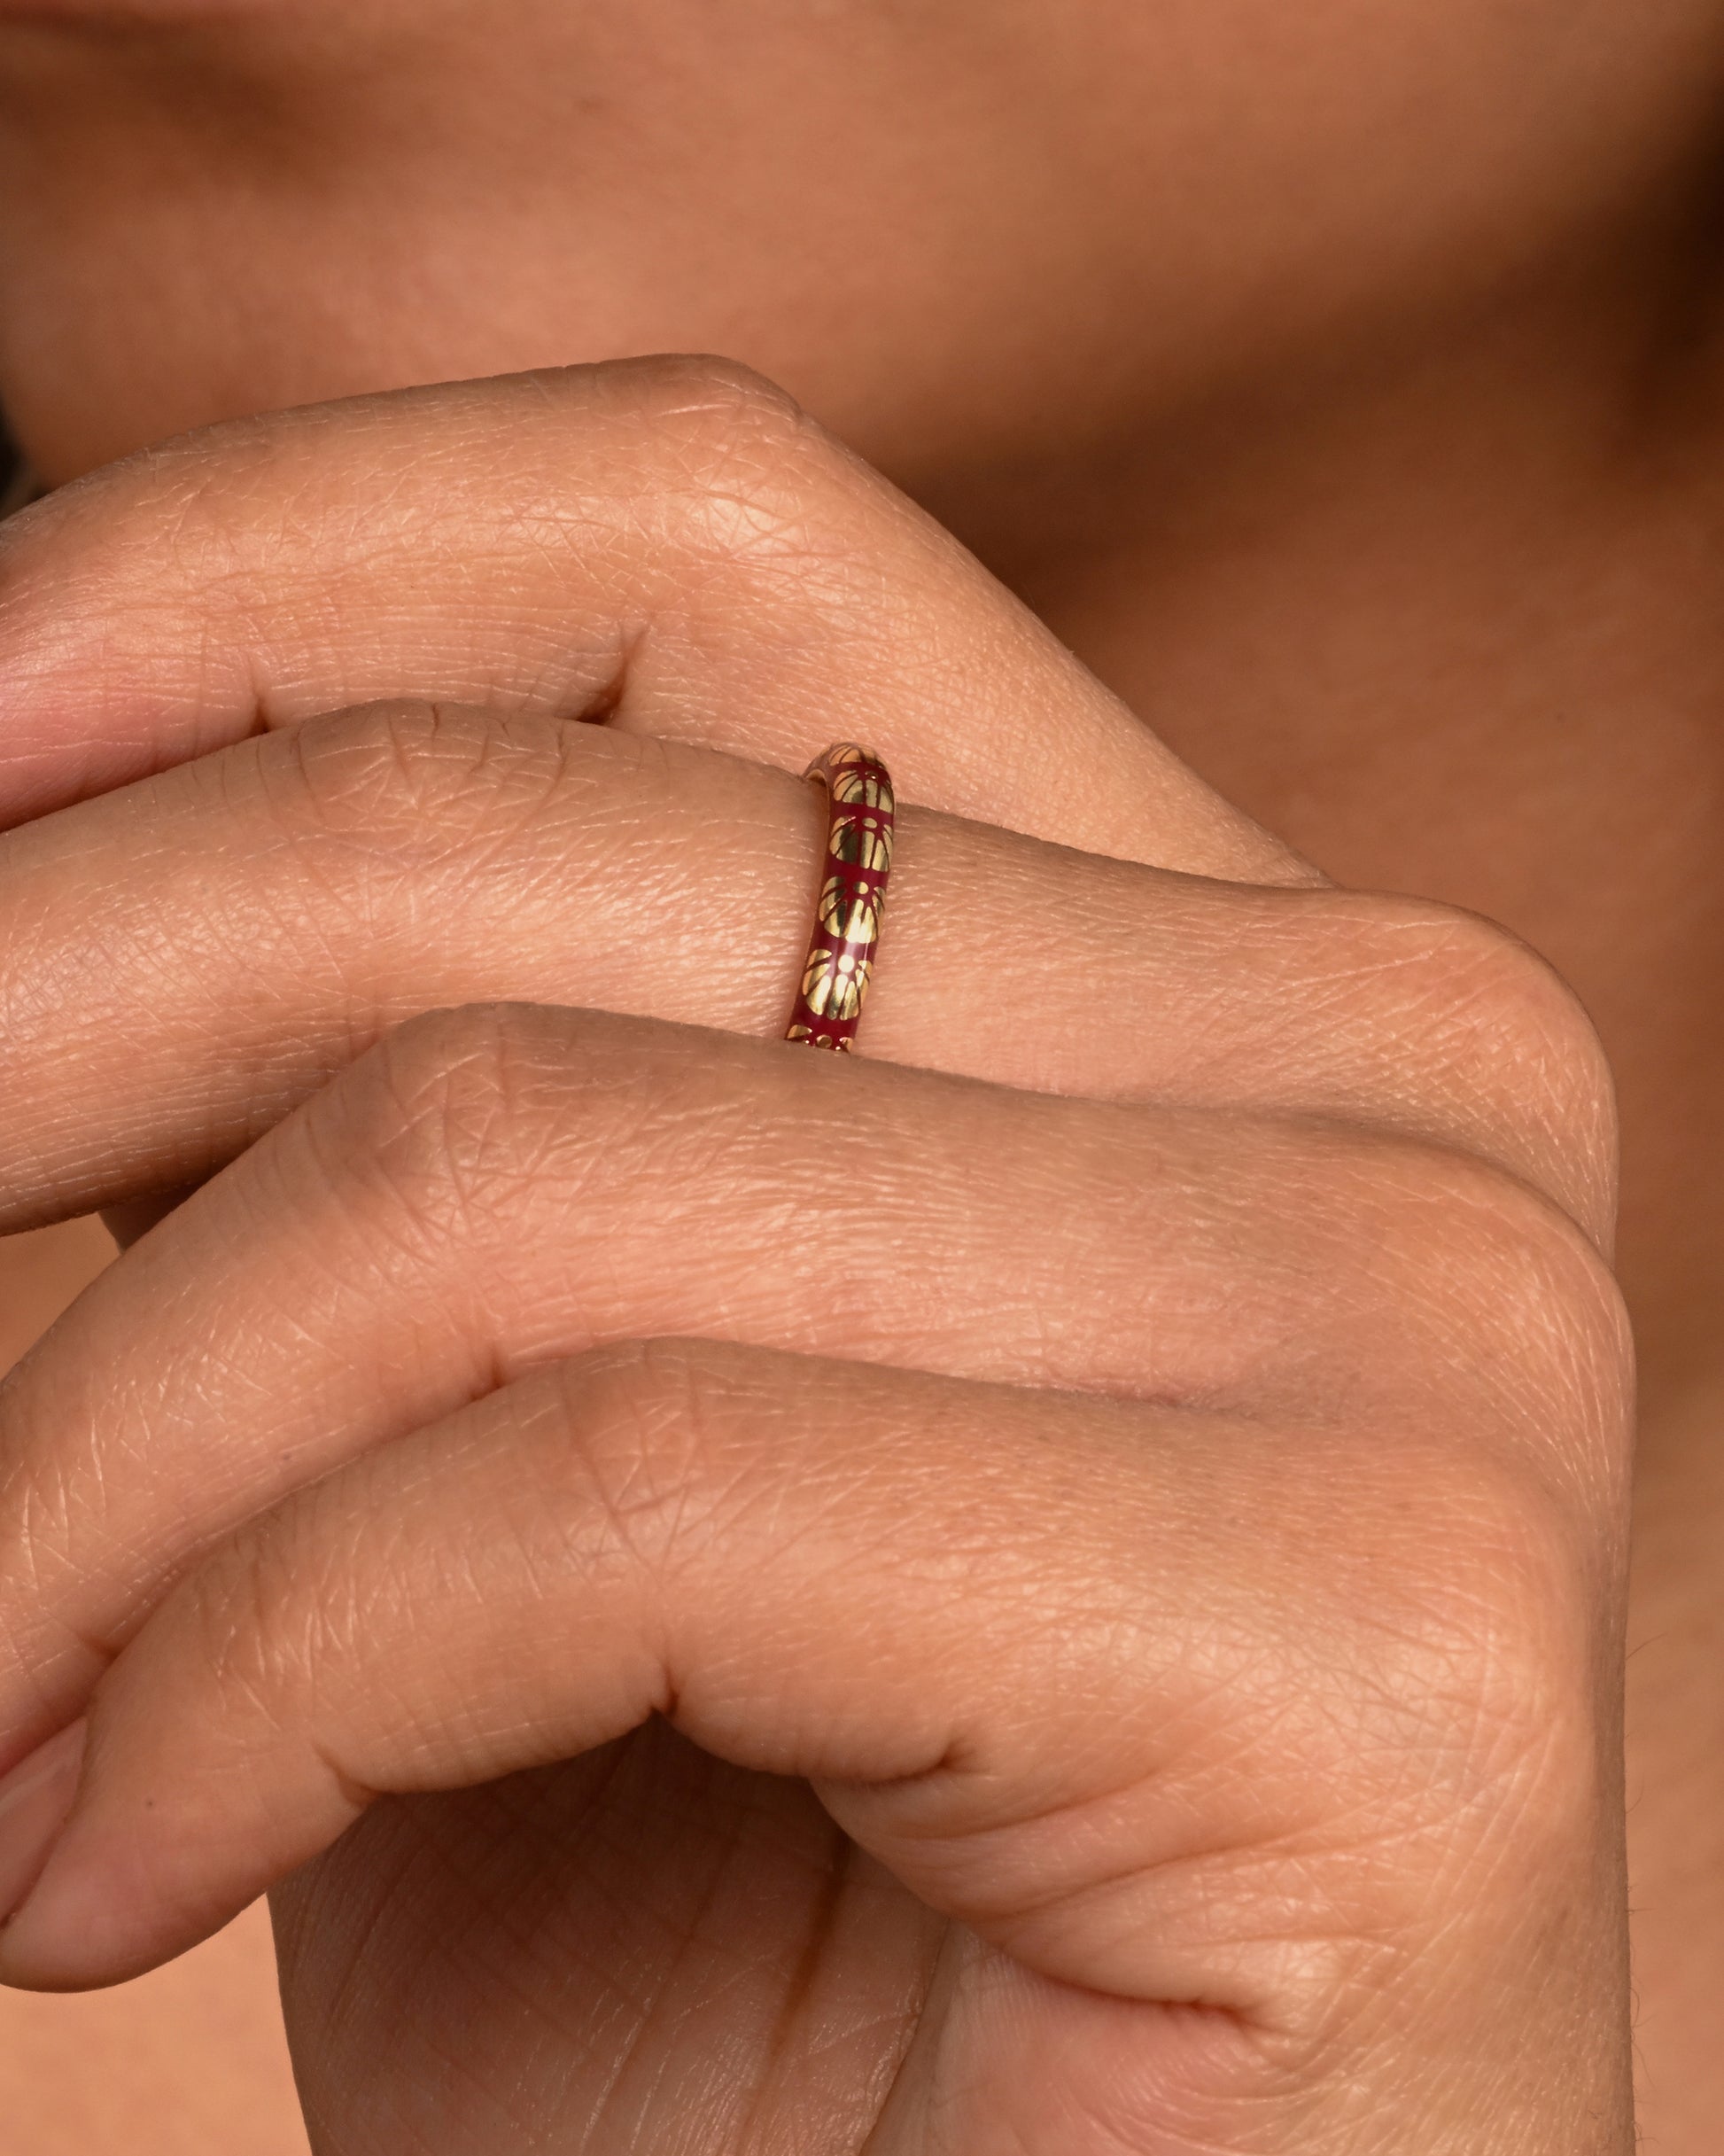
{"points": [[1054, 1587]]}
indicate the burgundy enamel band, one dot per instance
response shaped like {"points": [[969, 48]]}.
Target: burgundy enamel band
{"points": [[858, 860]]}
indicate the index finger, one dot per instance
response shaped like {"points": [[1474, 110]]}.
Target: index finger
{"points": [[668, 544]]}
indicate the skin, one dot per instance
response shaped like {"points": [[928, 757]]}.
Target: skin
{"points": [[1383, 500], [979, 1728]]}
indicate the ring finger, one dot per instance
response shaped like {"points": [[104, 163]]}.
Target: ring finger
{"points": [[183, 961]]}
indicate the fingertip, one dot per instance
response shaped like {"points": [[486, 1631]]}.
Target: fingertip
{"points": [[91, 1920], [60, 1939], [162, 1842], [92, 1898], [35, 1799]]}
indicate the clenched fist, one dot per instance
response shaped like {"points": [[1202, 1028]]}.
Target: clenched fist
{"points": [[1050, 1590]]}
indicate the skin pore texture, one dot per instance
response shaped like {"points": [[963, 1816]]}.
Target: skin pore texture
{"points": [[1340, 382]]}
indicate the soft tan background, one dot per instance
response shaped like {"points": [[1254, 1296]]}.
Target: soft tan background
{"points": [[189, 2061]]}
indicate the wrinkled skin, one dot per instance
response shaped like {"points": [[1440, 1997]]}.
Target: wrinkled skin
{"points": [[1144, 1452]]}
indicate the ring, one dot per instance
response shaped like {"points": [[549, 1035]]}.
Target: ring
{"points": [[858, 858]]}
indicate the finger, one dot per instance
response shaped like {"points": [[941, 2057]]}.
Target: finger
{"points": [[490, 1189], [669, 544], [183, 961], [1095, 1767]]}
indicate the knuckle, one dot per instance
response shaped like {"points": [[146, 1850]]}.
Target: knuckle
{"points": [[279, 1619], [251, 1618], [653, 1442], [487, 1121], [1487, 1004], [405, 781], [717, 399], [1477, 1258], [448, 1118], [738, 472], [649, 1417], [1488, 1656], [1433, 1699]]}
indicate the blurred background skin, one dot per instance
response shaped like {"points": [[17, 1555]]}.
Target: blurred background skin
{"points": [[1343, 380], [189, 2060]]}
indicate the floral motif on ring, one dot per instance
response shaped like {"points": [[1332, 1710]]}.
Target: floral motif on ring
{"points": [[863, 842], [849, 911], [833, 984], [862, 788]]}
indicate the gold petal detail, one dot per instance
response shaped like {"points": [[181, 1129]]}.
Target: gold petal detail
{"points": [[862, 843], [867, 787], [848, 911], [833, 984]]}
